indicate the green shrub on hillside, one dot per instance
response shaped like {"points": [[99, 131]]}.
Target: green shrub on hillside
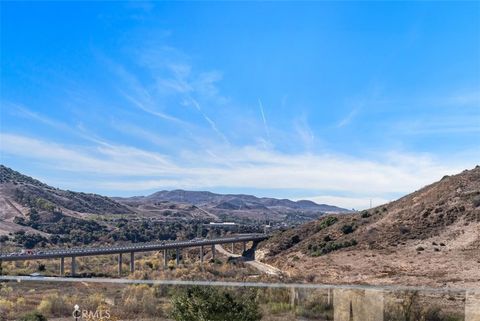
{"points": [[327, 247], [365, 214], [348, 228], [28, 240], [329, 221]]}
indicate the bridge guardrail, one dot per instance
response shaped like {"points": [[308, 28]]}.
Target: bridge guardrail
{"points": [[136, 247]]}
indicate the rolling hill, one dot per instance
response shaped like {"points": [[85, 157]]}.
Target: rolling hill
{"points": [[21, 194], [431, 236], [237, 206], [242, 200]]}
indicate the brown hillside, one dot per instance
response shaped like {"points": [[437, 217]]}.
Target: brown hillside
{"points": [[431, 236], [21, 194]]}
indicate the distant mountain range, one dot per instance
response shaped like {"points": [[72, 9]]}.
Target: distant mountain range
{"points": [[232, 201], [19, 194]]}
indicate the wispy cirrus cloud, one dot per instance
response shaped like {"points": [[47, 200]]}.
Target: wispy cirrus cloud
{"points": [[264, 119], [304, 131], [173, 83], [102, 158], [348, 118], [468, 123], [28, 114], [139, 96], [192, 102], [192, 145]]}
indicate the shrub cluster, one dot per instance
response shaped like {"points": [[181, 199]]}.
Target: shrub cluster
{"points": [[212, 304], [329, 221], [365, 214], [348, 228], [67, 230], [327, 247]]}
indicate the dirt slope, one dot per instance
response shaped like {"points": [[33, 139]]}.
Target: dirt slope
{"points": [[430, 237]]}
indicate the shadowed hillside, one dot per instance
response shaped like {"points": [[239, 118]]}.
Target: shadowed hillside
{"points": [[25, 203], [35, 194]]}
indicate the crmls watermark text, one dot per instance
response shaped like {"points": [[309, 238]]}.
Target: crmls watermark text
{"points": [[90, 315]]}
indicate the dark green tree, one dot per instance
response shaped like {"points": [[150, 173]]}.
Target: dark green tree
{"points": [[212, 304]]}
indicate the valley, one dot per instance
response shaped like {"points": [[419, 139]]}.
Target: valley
{"points": [[430, 237]]}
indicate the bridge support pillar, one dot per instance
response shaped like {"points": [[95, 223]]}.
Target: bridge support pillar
{"points": [[201, 254], [132, 262], [293, 297], [74, 266], [165, 259], [213, 251], [177, 256], [62, 266], [244, 246], [120, 264], [472, 306]]}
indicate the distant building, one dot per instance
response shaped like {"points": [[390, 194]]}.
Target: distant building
{"points": [[216, 226], [222, 224]]}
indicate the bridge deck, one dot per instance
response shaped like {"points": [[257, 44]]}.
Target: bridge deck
{"points": [[139, 247]]}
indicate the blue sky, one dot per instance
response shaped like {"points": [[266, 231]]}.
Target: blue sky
{"points": [[338, 102]]}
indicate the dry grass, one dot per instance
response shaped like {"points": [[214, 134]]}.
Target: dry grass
{"points": [[442, 218], [143, 302]]}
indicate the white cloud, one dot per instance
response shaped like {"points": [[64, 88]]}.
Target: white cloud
{"points": [[244, 167], [201, 162], [102, 159], [139, 132]]}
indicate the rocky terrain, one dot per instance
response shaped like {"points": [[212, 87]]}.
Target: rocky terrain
{"points": [[429, 237]]}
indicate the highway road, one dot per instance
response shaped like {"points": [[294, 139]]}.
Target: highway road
{"points": [[262, 267], [133, 248]]}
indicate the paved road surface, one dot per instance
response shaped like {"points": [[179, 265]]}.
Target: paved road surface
{"points": [[262, 267], [138, 247]]}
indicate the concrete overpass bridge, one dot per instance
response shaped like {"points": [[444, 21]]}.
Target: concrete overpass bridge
{"points": [[131, 249]]}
